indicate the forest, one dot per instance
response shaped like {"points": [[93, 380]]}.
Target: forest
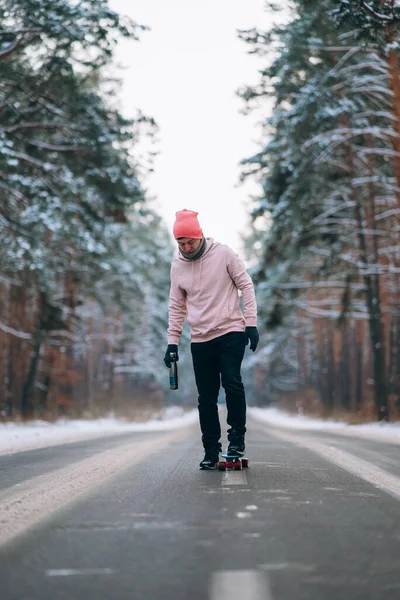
{"points": [[85, 258], [326, 224]]}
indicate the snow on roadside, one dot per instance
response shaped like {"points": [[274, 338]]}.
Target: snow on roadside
{"points": [[383, 432], [15, 437]]}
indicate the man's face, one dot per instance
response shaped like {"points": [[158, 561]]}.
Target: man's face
{"points": [[188, 245]]}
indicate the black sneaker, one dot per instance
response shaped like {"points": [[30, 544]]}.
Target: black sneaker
{"points": [[236, 444], [210, 460]]}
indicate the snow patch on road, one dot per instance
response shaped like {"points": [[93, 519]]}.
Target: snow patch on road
{"points": [[29, 502], [359, 467]]}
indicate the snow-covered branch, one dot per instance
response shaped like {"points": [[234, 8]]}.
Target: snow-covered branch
{"points": [[12, 48], [55, 147], [381, 17], [20, 334], [36, 125]]}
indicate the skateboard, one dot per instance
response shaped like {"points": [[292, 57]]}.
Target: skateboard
{"points": [[233, 462]]}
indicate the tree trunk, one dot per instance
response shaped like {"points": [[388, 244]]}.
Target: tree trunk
{"points": [[373, 300], [372, 288], [27, 407], [395, 87]]}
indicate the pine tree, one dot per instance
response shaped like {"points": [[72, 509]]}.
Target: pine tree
{"points": [[75, 224], [327, 183]]}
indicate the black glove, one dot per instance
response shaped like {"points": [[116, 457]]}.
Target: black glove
{"points": [[167, 358], [252, 335]]}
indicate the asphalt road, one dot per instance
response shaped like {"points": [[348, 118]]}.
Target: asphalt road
{"points": [[315, 517]]}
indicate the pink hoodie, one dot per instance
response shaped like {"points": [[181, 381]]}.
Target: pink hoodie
{"points": [[206, 290]]}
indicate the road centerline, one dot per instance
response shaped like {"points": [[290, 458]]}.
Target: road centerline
{"points": [[236, 585], [234, 478]]}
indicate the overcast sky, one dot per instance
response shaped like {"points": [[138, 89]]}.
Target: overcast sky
{"points": [[184, 73]]}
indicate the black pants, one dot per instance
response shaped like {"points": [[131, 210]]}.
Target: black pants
{"points": [[215, 362]]}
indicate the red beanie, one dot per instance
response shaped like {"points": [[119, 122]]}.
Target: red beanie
{"points": [[186, 225]]}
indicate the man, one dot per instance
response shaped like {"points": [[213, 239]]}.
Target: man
{"points": [[205, 279]]}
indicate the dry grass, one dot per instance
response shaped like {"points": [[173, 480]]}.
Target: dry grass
{"points": [[308, 404]]}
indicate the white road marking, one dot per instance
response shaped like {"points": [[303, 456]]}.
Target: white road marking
{"points": [[234, 478], [286, 466], [237, 585], [357, 466], [302, 567], [69, 572]]}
